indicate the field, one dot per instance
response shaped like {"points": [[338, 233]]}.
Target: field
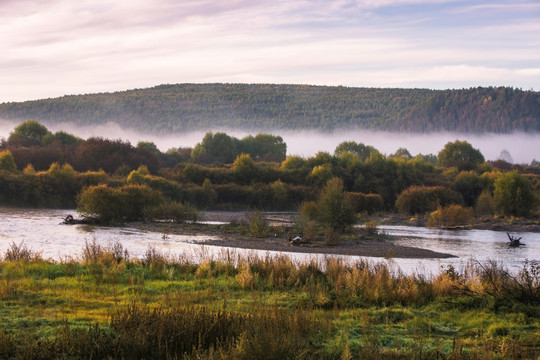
{"points": [[104, 304]]}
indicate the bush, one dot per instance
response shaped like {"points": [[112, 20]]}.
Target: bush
{"points": [[484, 204], [7, 161], [116, 204], [21, 253], [334, 210], [279, 194], [258, 226], [245, 169], [174, 211], [309, 210], [421, 199], [450, 216], [293, 162], [365, 203], [470, 185]]}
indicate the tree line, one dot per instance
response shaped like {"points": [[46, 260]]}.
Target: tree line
{"points": [[186, 107], [39, 168]]}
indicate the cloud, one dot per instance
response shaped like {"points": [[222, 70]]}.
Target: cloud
{"points": [[56, 47]]}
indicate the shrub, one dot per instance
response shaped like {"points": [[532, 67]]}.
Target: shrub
{"points": [[115, 204], [421, 199], [20, 253], [245, 169], [258, 226], [450, 216], [470, 185], [293, 162], [279, 194], [370, 228], [484, 204], [309, 210], [321, 173], [174, 211], [365, 203], [334, 210], [137, 176], [7, 161]]}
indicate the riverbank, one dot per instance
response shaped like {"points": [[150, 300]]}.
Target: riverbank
{"points": [[229, 232]]}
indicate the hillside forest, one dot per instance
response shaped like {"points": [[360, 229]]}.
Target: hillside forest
{"points": [[178, 108], [43, 169]]}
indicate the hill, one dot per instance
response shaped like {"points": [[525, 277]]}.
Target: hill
{"points": [[184, 107]]}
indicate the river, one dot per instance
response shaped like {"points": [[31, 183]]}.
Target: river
{"points": [[40, 230]]}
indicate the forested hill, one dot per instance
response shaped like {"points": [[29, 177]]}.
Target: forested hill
{"points": [[176, 108]]}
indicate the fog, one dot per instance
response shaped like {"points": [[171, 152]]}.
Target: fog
{"points": [[522, 147]]}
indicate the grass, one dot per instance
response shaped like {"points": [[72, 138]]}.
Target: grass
{"points": [[110, 305]]}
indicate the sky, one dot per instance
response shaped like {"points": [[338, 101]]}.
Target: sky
{"points": [[51, 48]]}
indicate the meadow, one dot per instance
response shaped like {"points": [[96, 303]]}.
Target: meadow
{"points": [[106, 304]]}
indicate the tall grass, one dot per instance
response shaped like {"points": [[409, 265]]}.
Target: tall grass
{"points": [[232, 306]]}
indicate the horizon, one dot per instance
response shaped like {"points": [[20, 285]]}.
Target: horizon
{"points": [[278, 84], [58, 48]]}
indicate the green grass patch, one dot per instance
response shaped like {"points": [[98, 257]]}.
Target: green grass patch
{"points": [[259, 308]]}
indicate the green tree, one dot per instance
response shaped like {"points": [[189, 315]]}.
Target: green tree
{"points": [[460, 154], [264, 147], [470, 185], [30, 130], [7, 161], [402, 153], [218, 147], [363, 151], [60, 137], [513, 194], [148, 145]]}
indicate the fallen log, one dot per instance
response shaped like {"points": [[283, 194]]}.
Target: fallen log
{"points": [[514, 242], [70, 220]]}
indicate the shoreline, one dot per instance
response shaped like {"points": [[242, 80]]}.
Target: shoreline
{"points": [[380, 247], [224, 224]]}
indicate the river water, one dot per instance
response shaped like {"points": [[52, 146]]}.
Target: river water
{"points": [[41, 231]]}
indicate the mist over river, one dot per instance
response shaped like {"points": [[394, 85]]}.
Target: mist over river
{"points": [[523, 147], [40, 230]]}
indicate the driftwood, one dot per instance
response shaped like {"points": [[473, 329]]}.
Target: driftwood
{"points": [[514, 242], [69, 220], [294, 241]]}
